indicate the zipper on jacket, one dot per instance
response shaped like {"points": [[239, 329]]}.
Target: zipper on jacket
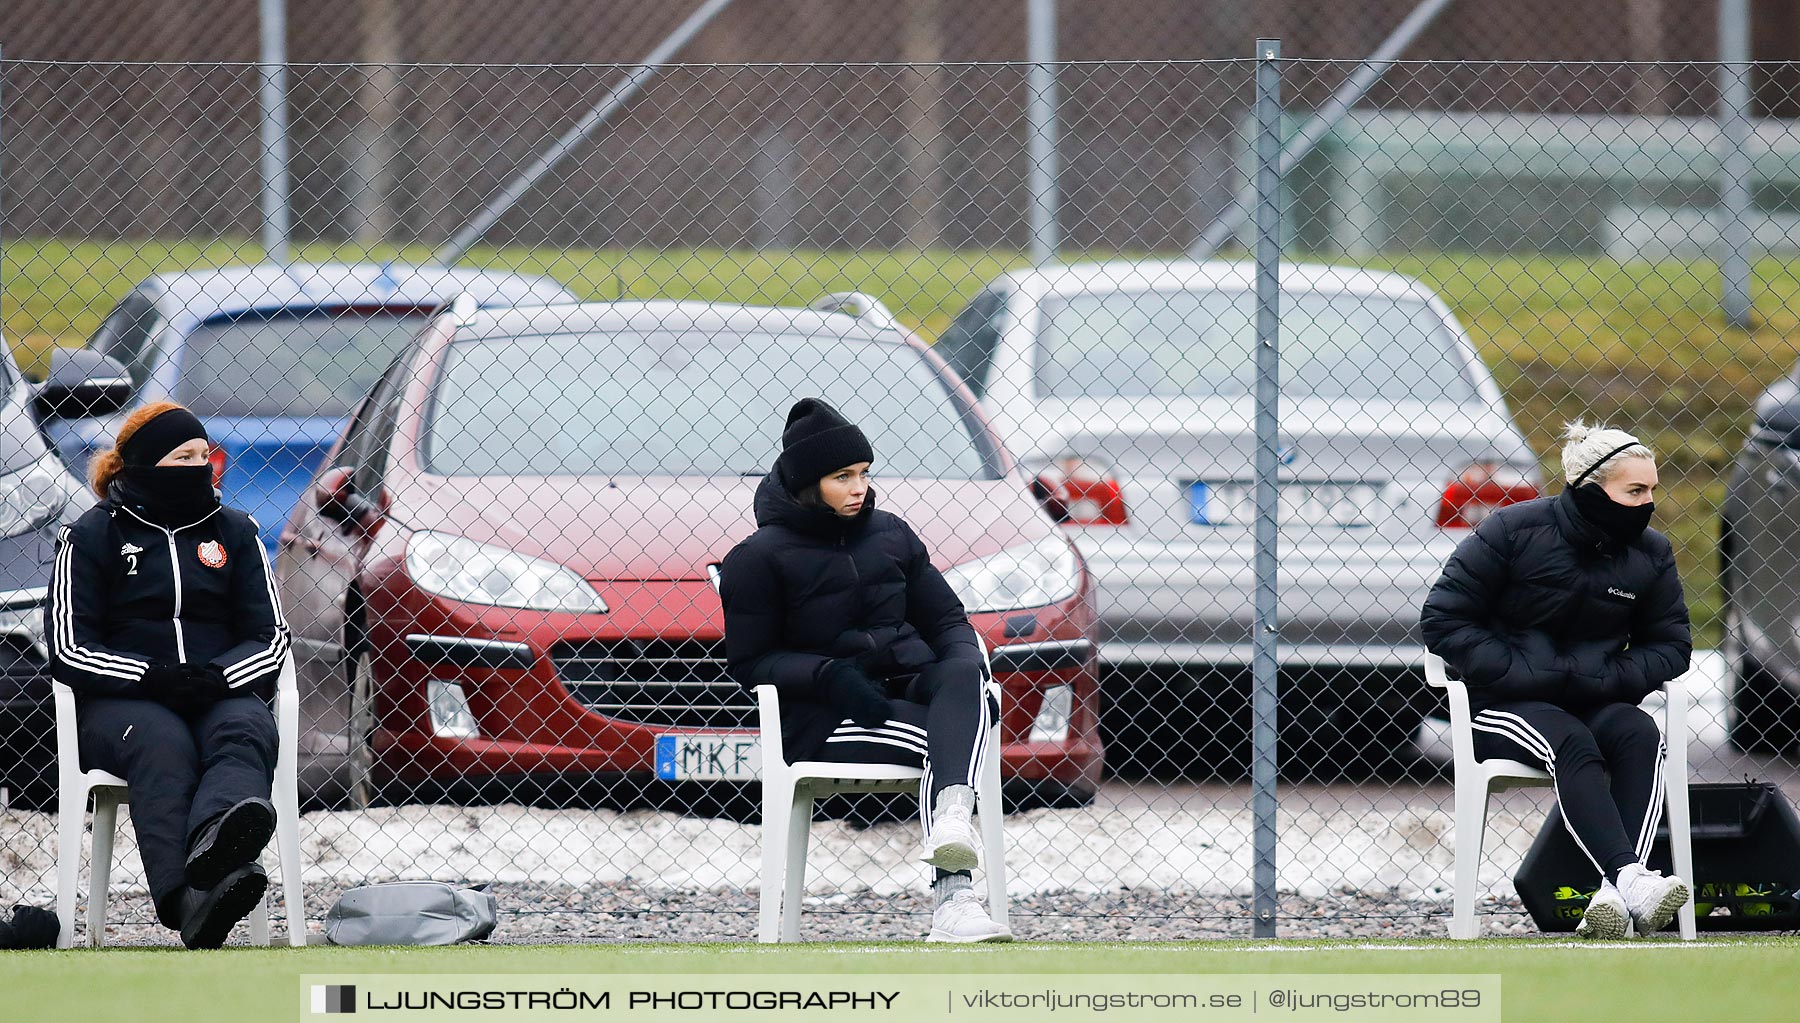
{"points": [[855, 589], [175, 566]]}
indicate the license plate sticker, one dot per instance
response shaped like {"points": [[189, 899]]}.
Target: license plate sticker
{"points": [[708, 757], [1323, 505]]}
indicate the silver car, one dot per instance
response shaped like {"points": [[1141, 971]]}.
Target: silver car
{"points": [[1127, 390]]}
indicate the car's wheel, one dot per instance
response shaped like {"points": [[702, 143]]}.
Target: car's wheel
{"points": [[1765, 716], [360, 781]]}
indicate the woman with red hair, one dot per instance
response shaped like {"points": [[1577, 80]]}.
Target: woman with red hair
{"points": [[164, 621]]}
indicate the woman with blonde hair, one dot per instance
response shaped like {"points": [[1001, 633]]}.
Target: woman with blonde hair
{"points": [[1561, 615], [163, 619]]}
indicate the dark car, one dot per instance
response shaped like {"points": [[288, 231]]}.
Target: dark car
{"points": [[505, 574], [37, 496], [1759, 576]]}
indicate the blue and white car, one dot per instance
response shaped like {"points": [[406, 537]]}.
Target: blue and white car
{"points": [[274, 358]]}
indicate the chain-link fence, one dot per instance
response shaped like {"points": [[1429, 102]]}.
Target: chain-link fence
{"points": [[495, 525]]}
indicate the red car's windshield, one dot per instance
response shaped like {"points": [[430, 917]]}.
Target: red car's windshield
{"points": [[685, 404]]}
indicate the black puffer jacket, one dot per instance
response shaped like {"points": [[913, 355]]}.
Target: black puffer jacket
{"points": [[810, 586], [1539, 604], [127, 591]]}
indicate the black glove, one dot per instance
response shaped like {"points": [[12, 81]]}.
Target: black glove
{"points": [[31, 927], [862, 649], [854, 694], [885, 651], [161, 678], [209, 678], [186, 688], [1635, 692]]}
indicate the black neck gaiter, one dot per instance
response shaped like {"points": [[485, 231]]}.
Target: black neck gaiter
{"points": [[1623, 523], [170, 495]]}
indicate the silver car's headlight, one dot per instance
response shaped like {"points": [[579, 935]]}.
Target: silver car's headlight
{"points": [[34, 495], [1029, 575], [461, 569]]}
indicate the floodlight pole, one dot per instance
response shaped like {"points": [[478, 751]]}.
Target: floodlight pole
{"points": [[458, 246], [272, 101], [1733, 210], [1041, 110]]}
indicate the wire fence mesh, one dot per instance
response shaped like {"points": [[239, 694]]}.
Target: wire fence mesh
{"points": [[495, 527]]}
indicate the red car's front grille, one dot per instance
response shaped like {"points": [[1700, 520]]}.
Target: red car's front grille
{"points": [[675, 684]]}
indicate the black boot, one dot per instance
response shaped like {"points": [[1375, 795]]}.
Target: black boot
{"points": [[229, 840], [208, 916], [31, 927]]}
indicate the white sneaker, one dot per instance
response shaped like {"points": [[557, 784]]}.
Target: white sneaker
{"points": [[1652, 898], [962, 918], [1605, 916], [952, 846]]}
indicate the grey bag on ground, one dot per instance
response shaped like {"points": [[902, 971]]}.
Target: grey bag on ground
{"points": [[410, 913]]}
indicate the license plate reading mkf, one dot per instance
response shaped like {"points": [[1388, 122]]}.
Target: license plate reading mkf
{"points": [[708, 757]]}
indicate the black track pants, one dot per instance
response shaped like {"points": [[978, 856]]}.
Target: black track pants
{"points": [[940, 721], [1613, 824], [183, 772]]}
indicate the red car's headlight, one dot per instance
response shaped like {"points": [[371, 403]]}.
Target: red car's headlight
{"points": [[1028, 575], [461, 569]]}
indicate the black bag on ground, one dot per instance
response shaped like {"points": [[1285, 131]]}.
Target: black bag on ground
{"points": [[1746, 863]]}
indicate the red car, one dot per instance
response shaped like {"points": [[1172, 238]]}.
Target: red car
{"points": [[504, 572]]}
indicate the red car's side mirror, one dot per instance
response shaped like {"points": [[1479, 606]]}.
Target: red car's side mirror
{"points": [[336, 498]]}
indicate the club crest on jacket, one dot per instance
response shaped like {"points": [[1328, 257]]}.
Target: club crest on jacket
{"points": [[212, 554]]}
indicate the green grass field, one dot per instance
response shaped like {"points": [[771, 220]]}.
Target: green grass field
{"points": [[1640, 345], [1735, 978]]}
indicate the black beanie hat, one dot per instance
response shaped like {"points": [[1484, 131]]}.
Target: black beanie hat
{"points": [[165, 432], [817, 440]]}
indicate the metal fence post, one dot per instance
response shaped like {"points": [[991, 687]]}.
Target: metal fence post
{"points": [[272, 98], [1268, 365], [1040, 87], [1734, 162]]}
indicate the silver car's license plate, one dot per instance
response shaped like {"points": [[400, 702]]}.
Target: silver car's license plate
{"points": [[708, 757], [1322, 504]]}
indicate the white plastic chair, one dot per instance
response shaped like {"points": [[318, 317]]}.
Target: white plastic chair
{"points": [[109, 790], [1476, 780], [788, 794]]}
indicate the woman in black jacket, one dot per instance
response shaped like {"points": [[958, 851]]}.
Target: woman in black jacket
{"points": [[838, 606], [1561, 615], [163, 619]]}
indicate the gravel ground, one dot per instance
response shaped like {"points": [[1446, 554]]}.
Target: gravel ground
{"points": [[1116, 866], [1151, 860], [532, 914]]}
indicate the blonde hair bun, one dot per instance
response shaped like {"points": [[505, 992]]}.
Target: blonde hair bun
{"points": [[1585, 447]]}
